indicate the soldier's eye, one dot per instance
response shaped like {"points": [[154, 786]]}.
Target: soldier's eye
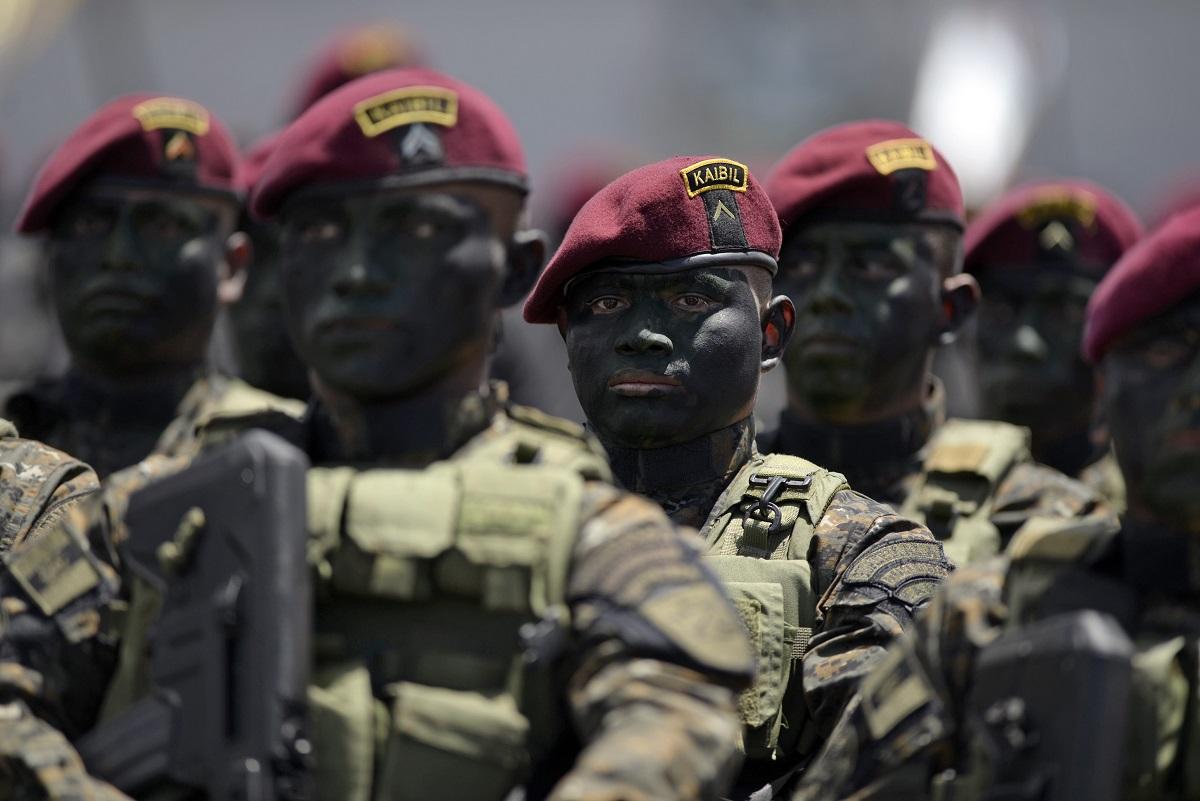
{"points": [[801, 264], [878, 266], [692, 302], [318, 232], [162, 224], [88, 223], [608, 304], [1164, 353], [425, 230]]}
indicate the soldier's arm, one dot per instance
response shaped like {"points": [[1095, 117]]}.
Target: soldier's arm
{"points": [[58, 605], [1033, 490], [872, 569], [661, 654], [902, 727]]}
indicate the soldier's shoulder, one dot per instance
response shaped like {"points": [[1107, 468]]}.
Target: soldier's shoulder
{"points": [[219, 407], [870, 552], [37, 482], [1042, 490]]}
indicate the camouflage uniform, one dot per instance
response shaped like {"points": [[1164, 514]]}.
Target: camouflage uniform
{"points": [[655, 648], [870, 570], [891, 461], [111, 432], [39, 484], [906, 750], [1104, 476]]}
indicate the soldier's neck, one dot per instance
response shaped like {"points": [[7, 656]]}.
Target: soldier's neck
{"points": [[875, 457], [151, 397], [685, 479], [1068, 454], [410, 431], [1160, 557]]}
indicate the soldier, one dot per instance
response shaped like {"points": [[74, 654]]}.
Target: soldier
{"points": [[1121, 715], [400, 199], [662, 292], [872, 223], [139, 210], [1038, 253], [265, 356]]}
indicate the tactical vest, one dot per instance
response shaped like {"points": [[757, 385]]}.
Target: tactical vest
{"points": [[439, 599], [956, 491], [757, 539], [1050, 573]]}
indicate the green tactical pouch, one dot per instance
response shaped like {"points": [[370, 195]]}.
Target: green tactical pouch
{"points": [[396, 521], [1155, 730], [442, 739], [775, 601], [342, 721]]}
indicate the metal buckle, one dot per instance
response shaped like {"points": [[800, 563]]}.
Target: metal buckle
{"points": [[763, 509]]}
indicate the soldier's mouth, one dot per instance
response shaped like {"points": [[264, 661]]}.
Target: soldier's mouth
{"points": [[359, 324], [643, 384], [818, 344]]}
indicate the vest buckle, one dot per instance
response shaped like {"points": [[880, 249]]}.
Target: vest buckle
{"points": [[764, 509]]}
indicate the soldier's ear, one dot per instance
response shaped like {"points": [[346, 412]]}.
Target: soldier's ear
{"points": [[231, 278], [526, 255], [960, 299], [778, 323]]}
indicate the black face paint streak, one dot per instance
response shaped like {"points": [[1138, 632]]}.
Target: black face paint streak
{"points": [[660, 359], [134, 277], [868, 310], [1030, 371], [1151, 399]]}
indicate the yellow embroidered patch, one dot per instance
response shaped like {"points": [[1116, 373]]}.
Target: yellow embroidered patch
{"points": [[1053, 203], [901, 154], [704, 176], [172, 112], [407, 106]]}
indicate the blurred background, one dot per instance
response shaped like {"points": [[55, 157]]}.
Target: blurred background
{"points": [[1008, 90]]}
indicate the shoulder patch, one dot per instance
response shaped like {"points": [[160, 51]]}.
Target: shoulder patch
{"points": [[901, 154], [908, 570], [172, 112], [893, 691], [53, 569], [705, 176], [412, 104]]}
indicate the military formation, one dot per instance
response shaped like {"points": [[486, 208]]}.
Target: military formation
{"points": [[359, 570]]}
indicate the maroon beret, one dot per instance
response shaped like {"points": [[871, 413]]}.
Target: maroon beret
{"points": [[1153, 276], [671, 212], [352, 54], [873, 170], [166, 140], [411, 127], [1068, 215], [250, 169]]}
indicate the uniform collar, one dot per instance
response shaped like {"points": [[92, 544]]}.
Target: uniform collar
{"points": [[686, 479], [876, 458]]}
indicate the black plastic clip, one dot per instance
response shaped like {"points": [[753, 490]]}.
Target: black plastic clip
{"points": [[764, 509]]}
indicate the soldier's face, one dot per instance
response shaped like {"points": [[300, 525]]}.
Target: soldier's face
{"points": [[134, 274], [1151, 399], [662, 358], [1030, 371], [868, 312], [266, 356], [389, 291]]}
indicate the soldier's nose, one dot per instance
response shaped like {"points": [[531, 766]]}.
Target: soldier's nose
{"points": [[645, 341]]}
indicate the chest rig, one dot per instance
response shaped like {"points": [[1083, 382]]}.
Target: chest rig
{"points": [[955, 494], [439, 608], [757, 539]]}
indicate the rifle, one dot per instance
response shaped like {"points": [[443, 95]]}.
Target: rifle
{"points": [[223, 543], [1046, 713]]}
